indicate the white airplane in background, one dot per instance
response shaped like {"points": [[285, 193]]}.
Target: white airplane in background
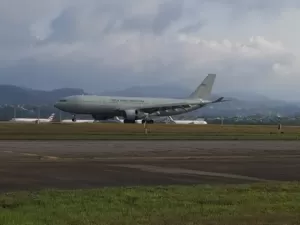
{"points": [[34, 120], [77, 121], [171, 120], [116, 120]]}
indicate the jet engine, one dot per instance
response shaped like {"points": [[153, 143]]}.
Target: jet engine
{"points": [[131, 114]]}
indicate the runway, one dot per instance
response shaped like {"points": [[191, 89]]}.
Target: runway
{"points": [[30, 165]]}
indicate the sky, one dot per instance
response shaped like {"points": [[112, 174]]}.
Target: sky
{"points": [[101, 45]]}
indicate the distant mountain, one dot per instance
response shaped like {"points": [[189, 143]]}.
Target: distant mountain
{"points": [[255, 98], [178, 92], [240, 104], [247, 96], [10, 94]]}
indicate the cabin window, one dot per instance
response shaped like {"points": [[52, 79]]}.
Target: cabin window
{"points": [[63, 100]]}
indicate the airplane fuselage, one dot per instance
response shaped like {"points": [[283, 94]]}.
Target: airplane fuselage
{"points": [[135, 108], [114, 106]]}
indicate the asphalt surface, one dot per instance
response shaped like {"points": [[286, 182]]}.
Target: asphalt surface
{"points": [[30, 165]]}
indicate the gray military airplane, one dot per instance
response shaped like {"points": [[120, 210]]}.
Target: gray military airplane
{"points": [[137, 108]]}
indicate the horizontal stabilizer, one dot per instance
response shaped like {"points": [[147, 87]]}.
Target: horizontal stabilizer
{"points": [[220, 100]]}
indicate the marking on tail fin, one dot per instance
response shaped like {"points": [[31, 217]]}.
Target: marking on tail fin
{"points": [[51, 117]]}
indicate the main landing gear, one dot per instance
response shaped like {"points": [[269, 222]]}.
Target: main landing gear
{"points": [[148, 121], [143, 121], [74, 118], [129, 121]]}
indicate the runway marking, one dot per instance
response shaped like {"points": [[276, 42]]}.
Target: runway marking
{"points": [[210, 157], [148, 158], [168, 157], [29, 154], [157, 169], [8, 152], [114, 171], [50, 157]]}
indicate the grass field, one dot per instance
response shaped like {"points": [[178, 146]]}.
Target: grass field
{"points": [[10, 131], [174, 205]]}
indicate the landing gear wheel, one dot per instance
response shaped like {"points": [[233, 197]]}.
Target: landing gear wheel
{"points": [[129, 121], [74, 118], [148, 121]]}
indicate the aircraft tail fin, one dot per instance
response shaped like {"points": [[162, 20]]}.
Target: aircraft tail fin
{"points": [[205, 88], [51, 117]]}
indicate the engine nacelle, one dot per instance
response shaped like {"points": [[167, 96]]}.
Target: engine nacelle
{"points": [[131, 114]]}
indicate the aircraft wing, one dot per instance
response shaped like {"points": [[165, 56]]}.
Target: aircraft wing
{"points": [[164, 107], [152, 108], [174, 106]]}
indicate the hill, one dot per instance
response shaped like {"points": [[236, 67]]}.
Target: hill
{"points": [[12, 95], [240, 104]]}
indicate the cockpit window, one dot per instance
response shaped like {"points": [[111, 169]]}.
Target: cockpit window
{"points": [[62, 100]]}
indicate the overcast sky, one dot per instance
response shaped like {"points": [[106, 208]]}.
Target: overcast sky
{"points": [[98, 45]]}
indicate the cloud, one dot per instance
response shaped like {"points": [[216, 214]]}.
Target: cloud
{"points": [[165, 14], [110, 44]]}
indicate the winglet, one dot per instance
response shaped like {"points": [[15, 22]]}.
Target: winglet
{"points": [[205, 88]]}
